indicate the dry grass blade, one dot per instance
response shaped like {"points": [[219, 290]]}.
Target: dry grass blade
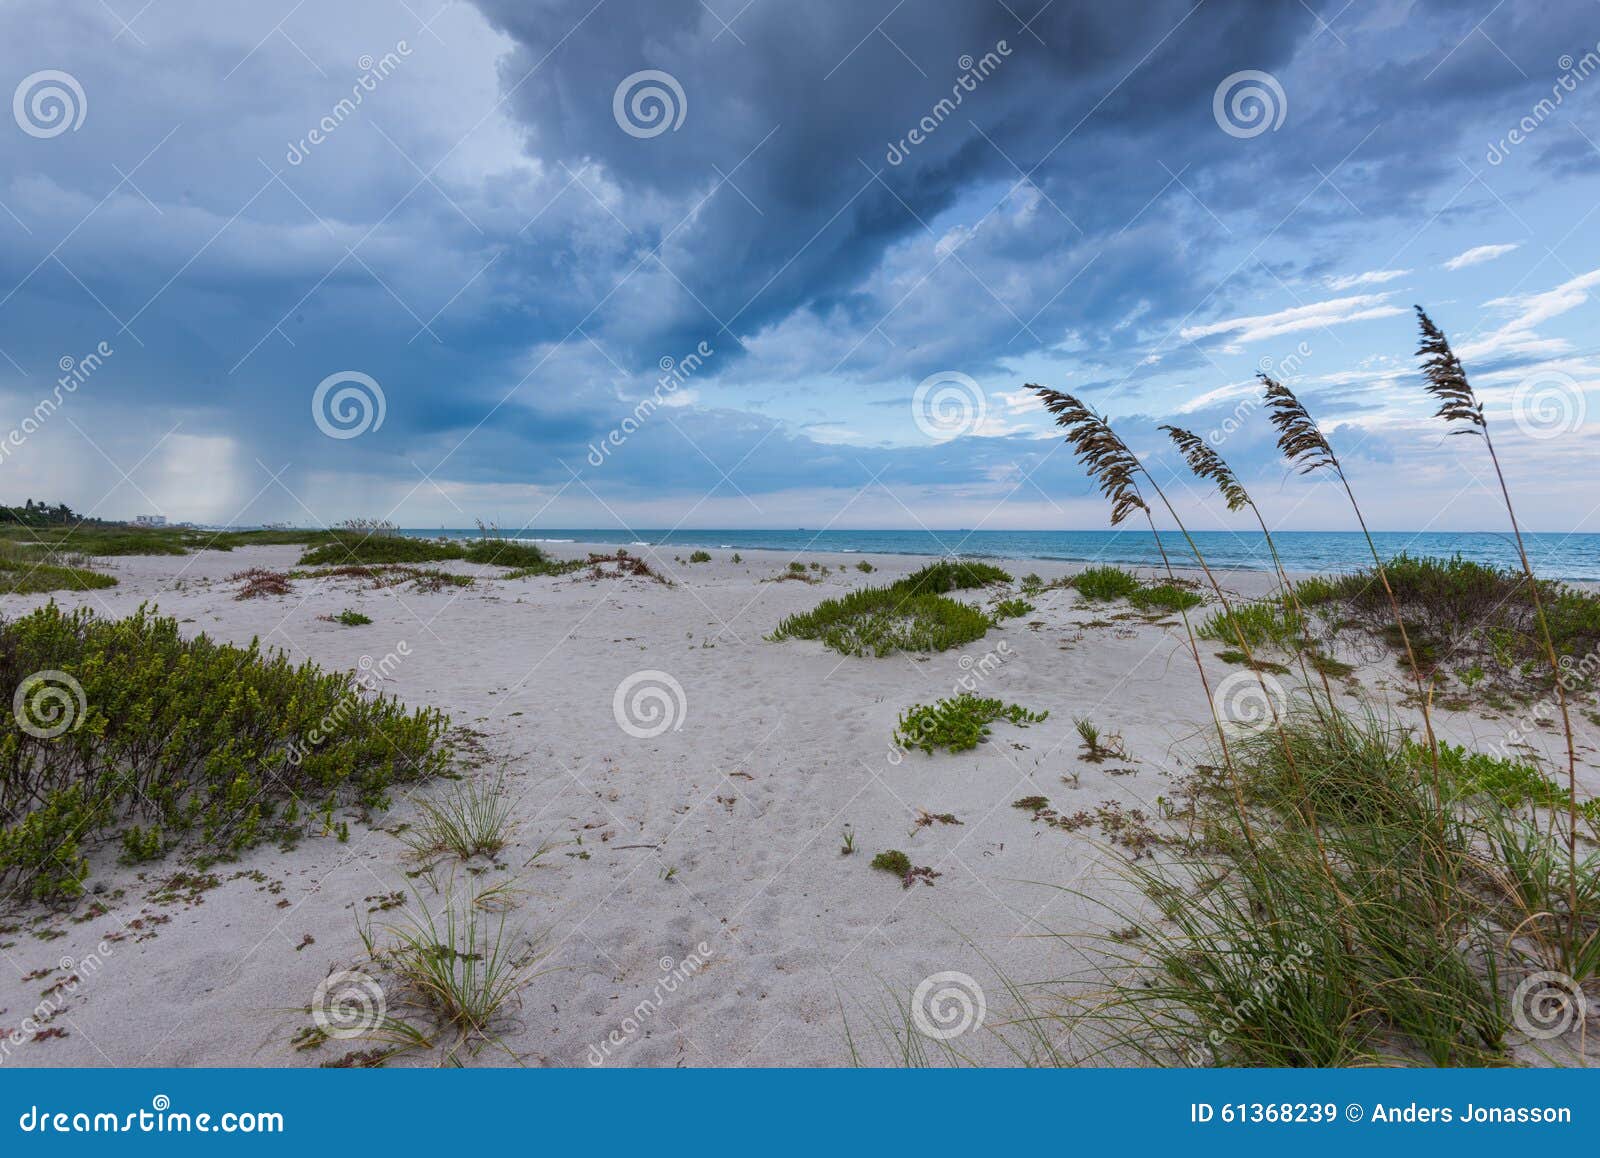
{"points": [[1447, 379], [1108, 461], [1207, 464], [1298, 437]]}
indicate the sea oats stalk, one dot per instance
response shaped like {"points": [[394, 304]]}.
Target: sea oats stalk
{"points": [[1459, 406], [1304, 446], [1115, 468], [1207, 464]]}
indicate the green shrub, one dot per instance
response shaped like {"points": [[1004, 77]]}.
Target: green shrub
{"points": [[1268, 621], [879, 620], [1166, 597], [865, 567], [1105, 583], [908, 615], [957, 724], [797, 568], [700, 557], [1012, 608], [493, 552], [1476, 613], [202, 739], [894, 861], [352, 618], [347, 547], [951, 575]]}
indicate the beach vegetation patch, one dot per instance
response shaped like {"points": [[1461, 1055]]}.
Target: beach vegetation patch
{"points": [[957, 724], [700, 557], [125, 721], [1012, 608]]}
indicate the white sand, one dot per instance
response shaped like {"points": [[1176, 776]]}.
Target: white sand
{"points": [[781, 745]]}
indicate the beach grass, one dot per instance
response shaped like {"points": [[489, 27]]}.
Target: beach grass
{"points": [[911, 614]]}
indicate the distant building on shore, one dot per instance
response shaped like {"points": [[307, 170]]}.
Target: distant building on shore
{"points": [[149, 520]]}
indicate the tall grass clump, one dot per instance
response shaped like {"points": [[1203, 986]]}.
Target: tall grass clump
{"points": [[471, 820], [1406, 954], [124, 721], [911, 614], [1459, 407]]}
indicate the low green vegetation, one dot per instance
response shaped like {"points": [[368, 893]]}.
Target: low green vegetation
{"points": [[1269, 621], [700, 557], [126, 723], [957, 724], [865, 567], [911, 614], [351, 618], [1479, 616], [1107, 583], [893, 861], [27, 570], [1345, 918], [1012, 608]]}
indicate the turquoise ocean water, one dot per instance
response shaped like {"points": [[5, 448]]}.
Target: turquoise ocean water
{"points": [[1555, 556]]}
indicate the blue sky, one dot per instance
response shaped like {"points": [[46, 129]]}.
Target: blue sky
{"points": [[508, 246]]}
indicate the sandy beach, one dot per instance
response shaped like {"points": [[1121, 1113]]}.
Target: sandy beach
{"points": [[691, 902]]}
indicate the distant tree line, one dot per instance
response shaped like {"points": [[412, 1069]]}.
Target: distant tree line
{"points": [[35, 514]]}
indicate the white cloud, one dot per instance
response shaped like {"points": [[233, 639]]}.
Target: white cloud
{"points": [[1371, 277], [1518, 336], [1334, 312], [1479, 254]]}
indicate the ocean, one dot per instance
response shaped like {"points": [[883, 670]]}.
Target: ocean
{"points": [[1554, 555]]}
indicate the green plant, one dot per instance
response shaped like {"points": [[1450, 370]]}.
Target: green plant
{"points": [[207, 741], [461, 967], [893, 861], [865, 567], [1012, 608], [471, 820], [352, 618], [1105, 583], [700, 557], [848, 836], [1165, 597], [910, 614], [797, 568], [957, 724]]}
